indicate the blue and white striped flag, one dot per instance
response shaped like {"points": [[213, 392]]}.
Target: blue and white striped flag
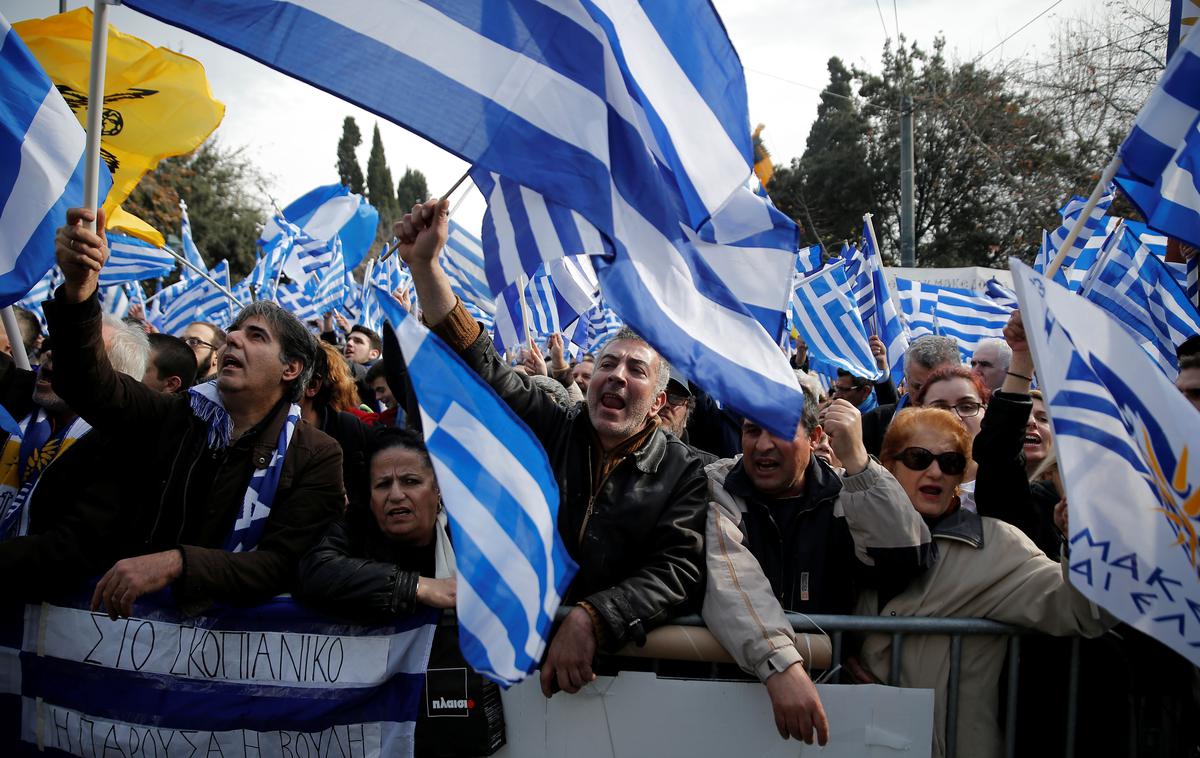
{"points": [[1001, 294], [276, 679], [41, 292], [1126, 441], [1160, 168], [328, 290], [810, 260], [826, 316], [559, 293], [1185, 272], [1077, 262], [190, 251], [462, 260], [114, 300], [968, 316], [198, 300], [631, 120], [879, 312], [502, 501], [324, 212], [132, 260], [603, 325], [41, 175], [1138, 291]]}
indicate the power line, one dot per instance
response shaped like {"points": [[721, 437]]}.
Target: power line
{"points": [[1053, 5], [886, 34], [896, 18]]}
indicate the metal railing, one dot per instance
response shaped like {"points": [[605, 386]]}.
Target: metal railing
{"points": [[956, 628]]}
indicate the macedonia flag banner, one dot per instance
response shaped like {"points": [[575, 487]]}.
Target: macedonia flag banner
{"points": [[156, 102]]}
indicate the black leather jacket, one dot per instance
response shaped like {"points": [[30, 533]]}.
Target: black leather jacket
{"points": [[639, 540]]}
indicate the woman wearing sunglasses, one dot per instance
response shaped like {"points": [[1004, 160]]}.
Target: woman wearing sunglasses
{"points": [[985, 569]]}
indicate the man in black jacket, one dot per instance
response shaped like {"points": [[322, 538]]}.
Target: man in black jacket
{"points": [[633, 498]]}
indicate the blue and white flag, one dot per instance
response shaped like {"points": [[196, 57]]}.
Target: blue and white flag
{"points": [[826, 316], [198, 300], [1138, 291], [114, 300], [1127, 443], [968, 316], [1079, 259], [462, 260], [328, 289], [631, 120], [190, 251], [41, 173], [879, 312], [1001, 294], [276, 679], [810, 260], [40, 293], [324, 212], [1160, 168], [132, 260], [502, 501], [603, 325], [559, 293]]}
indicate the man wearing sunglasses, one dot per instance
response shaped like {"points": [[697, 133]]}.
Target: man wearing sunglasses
{"points": [[779, 539]]}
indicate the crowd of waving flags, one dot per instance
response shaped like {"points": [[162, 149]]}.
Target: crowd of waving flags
{"points": [[655, 220]]}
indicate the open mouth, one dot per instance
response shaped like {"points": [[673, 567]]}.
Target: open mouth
{"points": [[230, 361], [765, 464], [931, 491], [1033, 439], [398, 511], [610, 400]]}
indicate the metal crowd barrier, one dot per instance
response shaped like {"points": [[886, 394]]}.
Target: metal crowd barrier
{"points": [[681, 641]]}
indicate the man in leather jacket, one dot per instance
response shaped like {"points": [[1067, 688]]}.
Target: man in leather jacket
{"points": [[633, 498]]}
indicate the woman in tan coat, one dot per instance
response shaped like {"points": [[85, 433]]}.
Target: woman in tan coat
{"points": [[985, 569]]}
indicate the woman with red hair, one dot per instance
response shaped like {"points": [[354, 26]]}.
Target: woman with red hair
{"points": [[985, 569]]}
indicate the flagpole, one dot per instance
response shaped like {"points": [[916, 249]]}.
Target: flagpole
{"points": [[14, 338], [95, 112], [874, 246], [203, 274], [390, 247], [521, 282], [1105, 179]]}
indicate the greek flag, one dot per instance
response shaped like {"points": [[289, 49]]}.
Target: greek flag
{"points": [[502, 501], [114, 300], [628, 118], [1160, 168], [1082, 254], [810, 260], [41, 174], [41, 292], [462, 260], [559, 293], [967, 316], [1185, 273], [324, 212], [328, 290], [827, 318], [1001, 294], [132, 260], [1123, 434], [190, 251], [1138, 291], [603, 324], [875, 302], [273, 680], [198, 300]]}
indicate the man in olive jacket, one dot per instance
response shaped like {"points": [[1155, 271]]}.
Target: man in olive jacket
{"points": [[190, 476], [633, 498]]}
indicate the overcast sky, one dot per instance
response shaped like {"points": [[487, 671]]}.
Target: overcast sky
{"points": [[291, 129]]}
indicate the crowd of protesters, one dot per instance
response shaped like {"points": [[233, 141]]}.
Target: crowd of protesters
{"points": [[941, 499]]}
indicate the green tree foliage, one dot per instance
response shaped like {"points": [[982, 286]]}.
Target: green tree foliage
{"points": [[828, 188], [379, 184], [222, 190], [348, 169], [411, 189]]}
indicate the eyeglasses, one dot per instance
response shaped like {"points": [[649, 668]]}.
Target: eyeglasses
{"points": [[676, 400], [919, 459], [964, 410], [195, 342]]}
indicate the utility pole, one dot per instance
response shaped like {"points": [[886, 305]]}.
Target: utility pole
{"points": [[908, 235]]}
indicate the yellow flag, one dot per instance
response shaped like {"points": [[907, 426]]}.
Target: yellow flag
{"points": [[121, 220], [762, 159], [156, 102]]}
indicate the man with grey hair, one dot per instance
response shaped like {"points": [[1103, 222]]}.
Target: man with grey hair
{"points": [[228, 489], [990, 360], [924, 355], [633, 497]]}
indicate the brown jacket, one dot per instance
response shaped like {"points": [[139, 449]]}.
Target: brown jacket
{"points": [[180, 493]]}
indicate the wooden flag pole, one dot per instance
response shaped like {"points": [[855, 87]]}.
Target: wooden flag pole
{"points": [[1106, 178], [391, 246]]}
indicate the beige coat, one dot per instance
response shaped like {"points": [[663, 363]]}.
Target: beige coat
{"points": [[1007, 579]]}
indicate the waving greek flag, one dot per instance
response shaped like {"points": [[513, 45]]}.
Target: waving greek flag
{"points": [[1138, 291], [132, 260], [827, 318], [190, 251], [1086, 246], [967, 316], [42, 171], [462, 260], [875, 302], [502, 501], [560, 292], [1160, 169], [1127, 443], [324, 212], [624, 116]]}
